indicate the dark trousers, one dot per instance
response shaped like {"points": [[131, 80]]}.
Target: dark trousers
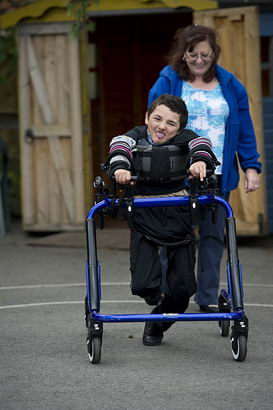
{"points": [[146, 271], [210, 251]]}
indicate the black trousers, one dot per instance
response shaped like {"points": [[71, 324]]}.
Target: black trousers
{"points": [[145, 265]]}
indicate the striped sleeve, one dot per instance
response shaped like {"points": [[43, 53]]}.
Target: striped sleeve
{"points": [[121, 150], [201, 150], [201, 146]]}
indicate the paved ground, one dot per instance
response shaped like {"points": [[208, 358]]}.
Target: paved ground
{"points": [[44, 362]]}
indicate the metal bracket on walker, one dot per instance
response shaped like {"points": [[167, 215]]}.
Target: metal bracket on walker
{"points": [[129, 211], [240, 327], [197, 188], [99, 196], [127, 198], [95, 328], [102, 192], [193, 202]]}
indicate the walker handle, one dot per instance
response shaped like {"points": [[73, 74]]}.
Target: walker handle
{"points": [[134, 178]]}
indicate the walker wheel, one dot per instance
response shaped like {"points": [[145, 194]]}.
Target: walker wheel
{"points": [[94, 339], [94, 349], [224, 327], [239, 347], [224, 307], [86, 312]]}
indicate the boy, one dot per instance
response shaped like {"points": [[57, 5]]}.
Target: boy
{"points": [[161, 152]]}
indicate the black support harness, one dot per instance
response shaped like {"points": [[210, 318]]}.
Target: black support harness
{"points": [[160, 164]]}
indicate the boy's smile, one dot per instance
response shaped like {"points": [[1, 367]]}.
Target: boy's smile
{"points": [[163, 124]]}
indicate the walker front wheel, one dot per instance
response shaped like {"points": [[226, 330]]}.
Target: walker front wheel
{"points": [[94, 339], [94, 349], [239, 347]]}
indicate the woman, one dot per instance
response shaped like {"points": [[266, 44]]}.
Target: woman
{"points": [[218, 108]]}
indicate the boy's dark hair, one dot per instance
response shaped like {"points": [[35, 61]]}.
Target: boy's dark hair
{"points": [[185, 39], [175, 104]]}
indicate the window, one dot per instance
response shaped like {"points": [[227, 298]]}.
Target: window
{"points": [[267, 66]]}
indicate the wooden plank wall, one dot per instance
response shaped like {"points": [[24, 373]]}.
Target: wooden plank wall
{"points": [[238, 35], [88, 140], [268, 141], [26, 149], [50, 105]]}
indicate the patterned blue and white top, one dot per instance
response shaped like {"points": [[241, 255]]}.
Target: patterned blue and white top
{"points": [[208, 112]]}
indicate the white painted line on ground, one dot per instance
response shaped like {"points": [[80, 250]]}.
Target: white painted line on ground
{"points": [[71, 285], [61, 285], [70, 302]]}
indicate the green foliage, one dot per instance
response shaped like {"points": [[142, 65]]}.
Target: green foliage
{"points": [[8, 54], [8, 49], [78, 10]]}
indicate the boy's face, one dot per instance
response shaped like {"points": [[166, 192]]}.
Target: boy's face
{"points": [[163, 124]]}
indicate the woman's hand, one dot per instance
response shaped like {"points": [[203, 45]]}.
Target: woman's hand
{"points": [[198, 170], [251, 180], [123, 176]]}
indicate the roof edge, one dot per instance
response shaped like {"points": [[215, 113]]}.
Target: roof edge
{"points": [[38, 9]]}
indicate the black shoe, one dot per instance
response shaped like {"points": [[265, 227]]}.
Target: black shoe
{"points": [[152, 334], [209, 308]]}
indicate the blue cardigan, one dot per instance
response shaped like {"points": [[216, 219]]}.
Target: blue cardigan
{"points": [[239, 136]]}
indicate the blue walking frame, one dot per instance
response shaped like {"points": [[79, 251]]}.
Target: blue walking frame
{"points": [[231, 307]]}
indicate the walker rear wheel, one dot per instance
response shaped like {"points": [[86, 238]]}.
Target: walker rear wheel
{"points": [[224, 327], [86, 311], [224, 307], [239, 347]]}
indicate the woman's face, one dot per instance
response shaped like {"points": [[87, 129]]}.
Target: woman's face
{"points": [[163, 124], [199, 59]]}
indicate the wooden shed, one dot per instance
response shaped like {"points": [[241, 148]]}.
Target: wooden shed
{"points": [[238, 34], [75, 94]]}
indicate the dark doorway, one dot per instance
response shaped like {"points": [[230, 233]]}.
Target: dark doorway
{"points": [[129, 53]]}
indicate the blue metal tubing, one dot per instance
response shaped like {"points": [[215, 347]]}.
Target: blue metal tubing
{"points": [[92, 270], [234, 268], [165, 201], [182, 317]]}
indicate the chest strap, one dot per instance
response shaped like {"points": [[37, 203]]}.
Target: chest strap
{"points": [[160, 164]]}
